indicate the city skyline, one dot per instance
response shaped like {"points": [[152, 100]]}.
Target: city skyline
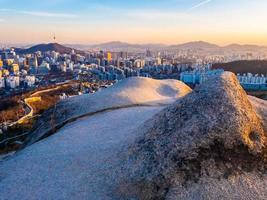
{"points": [[168, 22]]}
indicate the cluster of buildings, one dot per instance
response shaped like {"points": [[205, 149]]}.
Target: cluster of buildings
{"points": [[26, 71], [20, 72], [114, 73], [34, 70], [248, 81], [253, 82], [117, 66], [11, 74], [198, 76], [172, 70], [109, 73]]}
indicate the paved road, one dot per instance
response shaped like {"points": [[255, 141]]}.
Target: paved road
{"points": [[26, 104]]}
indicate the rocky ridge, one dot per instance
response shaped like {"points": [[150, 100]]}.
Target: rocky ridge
{"points": [[199, 146], [135, 91]]}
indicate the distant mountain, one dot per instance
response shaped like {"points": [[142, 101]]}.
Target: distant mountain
{"points": [[124, 46], [195, 45], [117, 45], [244, 66], [47, 47], [246, 47], [114, 44], [205, 46]]}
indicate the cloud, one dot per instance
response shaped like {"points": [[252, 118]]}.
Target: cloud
{"points": [[155, 15], [202, 3], [48, 14], [2, 20], [40, 13]]}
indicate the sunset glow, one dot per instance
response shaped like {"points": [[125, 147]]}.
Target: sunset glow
{"points": [[171, 21]]}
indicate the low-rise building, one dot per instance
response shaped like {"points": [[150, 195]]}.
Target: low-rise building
{"points": [[253, 82], [2, 82], [12, 81], [30, 81]]}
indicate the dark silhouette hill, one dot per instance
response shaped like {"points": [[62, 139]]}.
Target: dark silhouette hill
{"points": [[244, 66], [48, 47]]}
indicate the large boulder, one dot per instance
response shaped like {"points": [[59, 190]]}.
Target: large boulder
{"points": [[135, 91], [210, 144]]}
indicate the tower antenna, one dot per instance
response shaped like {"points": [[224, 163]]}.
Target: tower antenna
{"points": [[54, 37]]}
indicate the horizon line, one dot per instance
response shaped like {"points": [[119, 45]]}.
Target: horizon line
{"points": [[130, 43]]}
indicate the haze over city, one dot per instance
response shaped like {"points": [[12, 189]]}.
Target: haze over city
{"points": [[150, 21]]}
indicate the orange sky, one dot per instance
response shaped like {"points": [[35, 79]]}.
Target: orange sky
{"points": [[171, 22]]}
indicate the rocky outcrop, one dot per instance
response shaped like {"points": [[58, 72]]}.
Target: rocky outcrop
{"points": [[260, 107], [210, 144], [131, 92]]}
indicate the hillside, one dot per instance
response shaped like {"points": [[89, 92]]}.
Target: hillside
{"points": [[244, 66], [195, 45], [47, 47], [146, 139]]}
